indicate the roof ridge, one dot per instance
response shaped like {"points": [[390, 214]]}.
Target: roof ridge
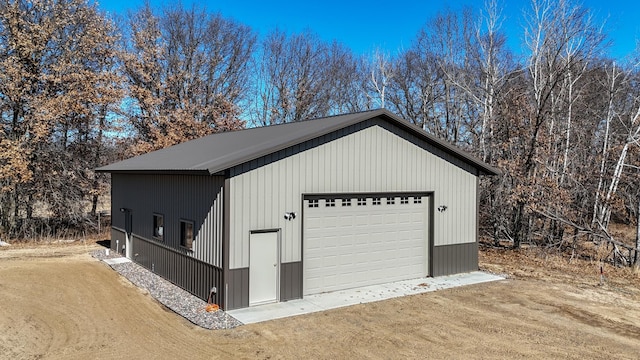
{"points": [[312, 119]]}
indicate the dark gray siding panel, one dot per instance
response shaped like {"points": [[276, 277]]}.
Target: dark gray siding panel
{"points": [[190, 197], [291, 281], [238, 289], [454, 259], [192, 275], [117, 239]]}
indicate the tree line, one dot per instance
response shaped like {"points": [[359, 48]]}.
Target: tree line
{"points": [[79, 89]]}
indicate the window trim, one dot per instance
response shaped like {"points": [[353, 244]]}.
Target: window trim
{"points": [[182, 233], [156, 235]]}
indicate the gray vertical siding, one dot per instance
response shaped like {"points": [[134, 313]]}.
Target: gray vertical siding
{"points": [[290, 281], [238, 292], [189, 197], [455, 259], [372, 156], [117, 239], [192, 275]]}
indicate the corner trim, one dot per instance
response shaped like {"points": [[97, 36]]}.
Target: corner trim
{"points": [[226, 231]]}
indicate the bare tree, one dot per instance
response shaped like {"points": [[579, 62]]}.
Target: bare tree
{"points": [[426, 83], [630, 121], [301, 77], [187, 71], [57, 82], [561, 39], [380, 76], [414, 92]]}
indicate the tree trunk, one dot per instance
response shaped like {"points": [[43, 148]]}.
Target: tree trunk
{"points": [[96, 161], [518, 221], [605, 148], [635, 259]]}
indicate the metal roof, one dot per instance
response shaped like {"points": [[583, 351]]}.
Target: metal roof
{"points": [[218, 152]]}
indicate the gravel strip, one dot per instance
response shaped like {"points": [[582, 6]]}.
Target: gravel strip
{"points": [[180, 301]]}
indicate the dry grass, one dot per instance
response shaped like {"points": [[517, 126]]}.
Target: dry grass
{"points": [[623, 233], [41, 242], [549, 265]]}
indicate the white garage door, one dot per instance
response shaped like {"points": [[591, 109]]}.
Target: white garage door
{"points": [[356, 242]]}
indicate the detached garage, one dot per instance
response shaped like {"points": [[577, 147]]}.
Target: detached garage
{"points": [[276, 213]]}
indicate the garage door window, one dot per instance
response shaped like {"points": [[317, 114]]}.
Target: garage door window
{"points": [[404, 200], [391, 201], [346, 202], [362, 201], [330, 203], [313, 203], [376, 201], [417, 200]]}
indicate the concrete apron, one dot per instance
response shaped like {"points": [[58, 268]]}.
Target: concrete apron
{"points": [[337, 299]]}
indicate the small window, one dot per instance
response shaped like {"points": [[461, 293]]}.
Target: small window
{"points": [[376, 201], [330, 203], [391, 201], [158, 226], [313, 203], [186, 234], [417, 200], [346, 202], [404, 200], [362, 201]]}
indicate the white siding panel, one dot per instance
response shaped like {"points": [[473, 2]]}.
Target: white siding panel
{"points": [[370, 160]]}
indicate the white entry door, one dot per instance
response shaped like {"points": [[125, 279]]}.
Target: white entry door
{"points": [[263, 267]]}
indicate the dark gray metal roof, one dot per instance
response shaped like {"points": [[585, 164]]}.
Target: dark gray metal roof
{"points": [[218, 152]]}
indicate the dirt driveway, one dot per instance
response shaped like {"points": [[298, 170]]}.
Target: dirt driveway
{"points": [[58, 302]]}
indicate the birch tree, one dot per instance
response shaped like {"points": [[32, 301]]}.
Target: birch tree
{"points": [[380, 77], [561, 40], [630, 122]]}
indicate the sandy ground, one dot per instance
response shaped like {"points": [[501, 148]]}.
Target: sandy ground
{"points": [[59, 303]]}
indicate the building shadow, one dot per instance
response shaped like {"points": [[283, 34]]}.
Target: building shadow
{"points": [[104, 243]]}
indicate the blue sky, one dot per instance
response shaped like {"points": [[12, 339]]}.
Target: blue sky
{"points": [[392, 25]]}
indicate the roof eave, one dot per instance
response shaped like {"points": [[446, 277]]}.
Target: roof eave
{"points": [[156, 172]]}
